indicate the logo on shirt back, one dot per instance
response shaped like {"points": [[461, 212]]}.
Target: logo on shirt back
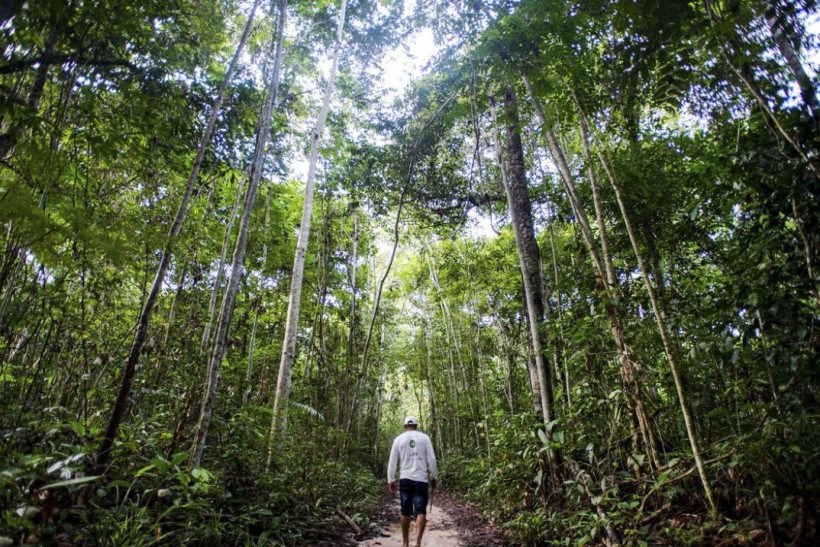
{"points": [[412, 444]]}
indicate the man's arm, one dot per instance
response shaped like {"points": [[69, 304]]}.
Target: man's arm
{"points": [[391, 464], [431, 462]]}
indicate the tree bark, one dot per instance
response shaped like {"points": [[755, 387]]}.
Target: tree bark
{"points": [[629, 372], [529, 255], [532, 365], [160, 369], [279, 419], [559, 308], [229, 298], [434, 420]]}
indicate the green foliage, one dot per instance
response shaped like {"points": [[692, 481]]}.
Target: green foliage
{"points": [[101, 109], [164, 501]]}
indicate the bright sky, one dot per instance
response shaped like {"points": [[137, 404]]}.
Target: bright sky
{"points": [[400, 66], [406, 62]]}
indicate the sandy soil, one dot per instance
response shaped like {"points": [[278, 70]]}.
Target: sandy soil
{"points": [[450, 523], [440, 531]]}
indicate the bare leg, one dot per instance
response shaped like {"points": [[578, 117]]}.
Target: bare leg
{"points": [[421, 521], [405, 531]]}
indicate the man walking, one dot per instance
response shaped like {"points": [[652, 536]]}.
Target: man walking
{"points": [[413, 451]]}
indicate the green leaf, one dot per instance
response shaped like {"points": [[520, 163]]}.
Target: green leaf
{"points": [[144, 470], [72, 482]]}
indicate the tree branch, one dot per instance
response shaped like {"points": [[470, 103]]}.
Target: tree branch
{"points": [[23, 64]]}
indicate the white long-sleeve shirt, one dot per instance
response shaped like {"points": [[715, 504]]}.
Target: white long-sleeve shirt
{"points": [[413, 451]]}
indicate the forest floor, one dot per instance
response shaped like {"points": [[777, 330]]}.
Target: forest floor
{"points": [[450, 523]]}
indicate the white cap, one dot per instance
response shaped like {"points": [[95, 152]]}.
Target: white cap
{"points": [[410, 420]]}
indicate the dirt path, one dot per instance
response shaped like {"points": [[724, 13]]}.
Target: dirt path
{"points": [[451, 523], [440, 532]]}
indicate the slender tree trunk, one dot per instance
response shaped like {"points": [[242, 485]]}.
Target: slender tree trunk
{"points": [[629, 372], [559, 308], [639, 419], [435, 421], [258, 308], [363, 367], [454, 390], [487, 417], [532, 365], [121, 402], [220, 268], [807, 248], [318, 330], [529, 256], [509, 387], [379, 403], [11, 253], [166, 338], [21, 260], [343, 403], [665, 337], [280, 404], [611, 280], [229, 298], [449, 327]]}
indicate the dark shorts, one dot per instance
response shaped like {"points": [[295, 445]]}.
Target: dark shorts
{"points": [[413, 496]]}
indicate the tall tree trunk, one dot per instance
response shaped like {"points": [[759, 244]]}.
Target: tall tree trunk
{"points": [[665, 336], [629, 372], [449, 326], [229, 299], [532, 364], [511, 353], [378, 413], [280, 404], [167, 337], [559, 310], [363, 367], [220, 267], [529, 255], [434, 419], [454, 390], [639, 419], [121, 402], [258, 307], [343, 402], [21, 261], [481, 363], [318, 330]]}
